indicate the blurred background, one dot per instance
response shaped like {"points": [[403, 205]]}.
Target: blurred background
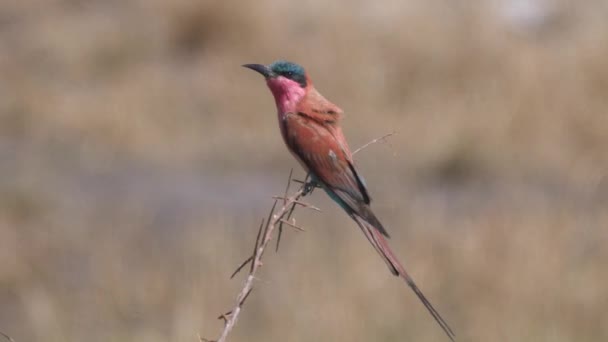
{"points": [[137, 158]]}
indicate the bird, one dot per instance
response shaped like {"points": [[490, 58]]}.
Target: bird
{"points": [[310, 127]]}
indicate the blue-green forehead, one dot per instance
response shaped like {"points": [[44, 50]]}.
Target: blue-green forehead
{"points": [[280, 67]]}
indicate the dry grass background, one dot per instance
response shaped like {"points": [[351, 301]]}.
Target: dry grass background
{"points": [[137, 157]]}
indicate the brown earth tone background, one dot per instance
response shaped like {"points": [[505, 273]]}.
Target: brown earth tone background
{"points": [[137, 158]]}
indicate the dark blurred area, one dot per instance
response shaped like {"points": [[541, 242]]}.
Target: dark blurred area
{"points": [[137, 158]]}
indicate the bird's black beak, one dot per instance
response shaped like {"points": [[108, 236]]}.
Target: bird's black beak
{"points": [[262, 69]]}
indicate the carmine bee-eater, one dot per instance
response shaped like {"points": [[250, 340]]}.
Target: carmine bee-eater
{"points": [[310, 126]]}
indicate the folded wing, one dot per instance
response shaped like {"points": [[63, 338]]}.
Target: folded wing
{"points": [[320, 149]]}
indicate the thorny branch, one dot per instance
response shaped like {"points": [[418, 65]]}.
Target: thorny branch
{"points": [[275, 220]]}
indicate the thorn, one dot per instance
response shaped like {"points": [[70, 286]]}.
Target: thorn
{"points": [[255, 247], [241, 266], [276, 250], [270, 214], [303, 204], [274, 205], [293, 225], [202, 339], [245, 297], [224, 316], [291, 210], [287, 186]]}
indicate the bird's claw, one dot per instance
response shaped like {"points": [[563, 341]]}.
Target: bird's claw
{"points": [[309, 187]]}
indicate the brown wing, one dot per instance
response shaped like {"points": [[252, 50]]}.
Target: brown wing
{"points": [[321, 148], [326, 157]]}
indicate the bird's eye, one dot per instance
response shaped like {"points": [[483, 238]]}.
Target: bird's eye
{"points": [[289, 73]]}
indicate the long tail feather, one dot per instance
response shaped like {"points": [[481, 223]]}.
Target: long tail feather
{"points": [[382, 247]]}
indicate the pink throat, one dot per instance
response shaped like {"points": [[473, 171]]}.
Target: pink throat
{"points": [[287, 93]]}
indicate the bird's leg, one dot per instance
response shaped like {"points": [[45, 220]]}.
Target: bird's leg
{"points": [[310, 183]]}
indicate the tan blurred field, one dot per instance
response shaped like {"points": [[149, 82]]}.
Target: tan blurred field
{"points": [[137, 158]]}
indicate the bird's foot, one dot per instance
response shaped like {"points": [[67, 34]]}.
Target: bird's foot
{"points": [[309, 187]]}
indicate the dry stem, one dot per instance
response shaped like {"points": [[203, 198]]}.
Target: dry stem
{"points": [[275, 219]]}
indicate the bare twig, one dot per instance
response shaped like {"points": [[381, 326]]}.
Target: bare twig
{"points": [[275, 220], [292, 224], [231, 317], [381, 139], [300, 203], [284, 201]]}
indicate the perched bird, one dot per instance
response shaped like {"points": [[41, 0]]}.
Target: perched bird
{"points": [[310, 126]]}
